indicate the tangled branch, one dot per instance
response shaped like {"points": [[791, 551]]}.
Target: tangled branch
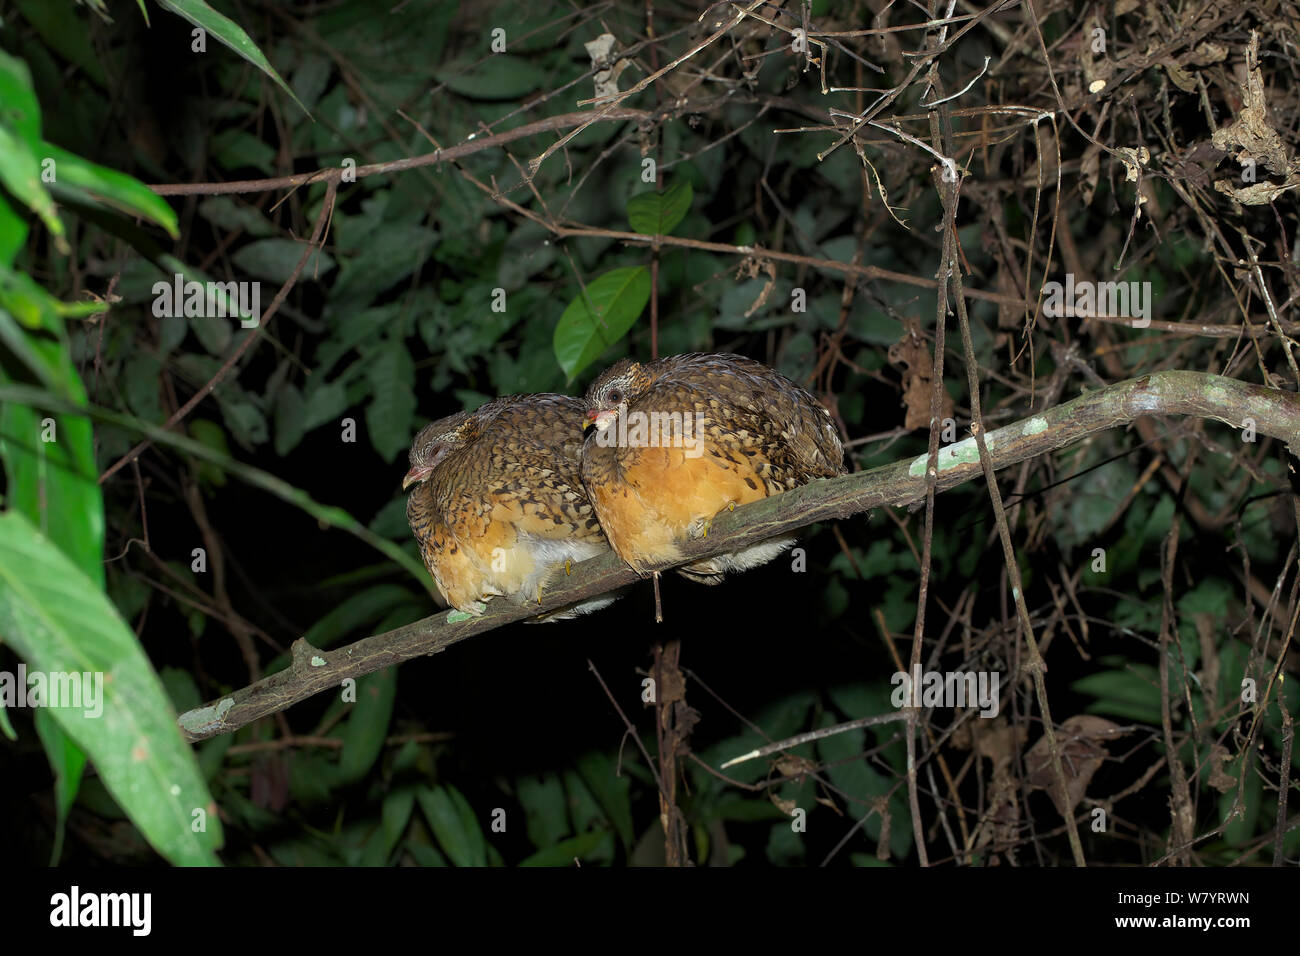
{"points": [[1257, 409]]}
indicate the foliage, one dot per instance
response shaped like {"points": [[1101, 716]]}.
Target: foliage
{"points": [[528, 264]]}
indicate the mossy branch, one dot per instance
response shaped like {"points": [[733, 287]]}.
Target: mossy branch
{"points": [[1269, 411]]}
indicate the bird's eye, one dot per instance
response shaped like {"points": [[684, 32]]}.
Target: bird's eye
{"points": [[615, 396]]}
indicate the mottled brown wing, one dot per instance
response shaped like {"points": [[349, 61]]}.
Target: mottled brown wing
{"points": [[507, 503], [532, 466], [759, 434], [456, 570], [783, 428]]}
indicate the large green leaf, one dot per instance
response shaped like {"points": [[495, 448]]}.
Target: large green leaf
{"points": [[328, 515], [20, 173], [20, 148], [60, 622], [597, 319], [108, 186], [49, 458]]}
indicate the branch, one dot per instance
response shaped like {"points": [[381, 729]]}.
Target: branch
{"points": [[1272, 412]]}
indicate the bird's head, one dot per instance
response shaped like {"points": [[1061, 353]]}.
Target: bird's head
{"points": [[433, 443], [617, 387]]}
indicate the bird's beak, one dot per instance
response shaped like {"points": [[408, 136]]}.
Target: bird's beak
{"points": [[416, 475], [600, 419]]}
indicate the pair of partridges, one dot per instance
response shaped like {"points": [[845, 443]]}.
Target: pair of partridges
{"points": [[512, 494]]}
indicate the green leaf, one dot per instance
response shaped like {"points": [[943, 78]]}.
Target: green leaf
{"points": [[497, 77], [386, 257], [20, 173], [230, 33], [22, 347], [845, 756], [225, 213], [68, 761], [141, 386], [49, 459], [275, 259], [13, 232], [545, 813], [394, 816], [595, 321], [325, 402], [290, 419], [60, 622], [454, 824], [327, 515], [611, 791], [245, 420], [59, 26], [1133, 693], [389, 414], [658, 213], [237, 148], [212, 436], [214, 334], [356, 611], [366, 728], [118, 190], [22, 110]]}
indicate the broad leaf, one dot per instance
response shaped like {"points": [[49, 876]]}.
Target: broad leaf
{"points": [[60, 622], [595, 321], [658, 213]]}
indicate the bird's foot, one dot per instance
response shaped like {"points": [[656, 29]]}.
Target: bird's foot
{"points": [[699, 528], [552, 577]]}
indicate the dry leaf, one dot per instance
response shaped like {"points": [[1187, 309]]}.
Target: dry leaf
{"points": [[1079, 740]]}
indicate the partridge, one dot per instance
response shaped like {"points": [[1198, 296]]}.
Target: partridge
{"points": [[499, 506], [671, 443]]}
